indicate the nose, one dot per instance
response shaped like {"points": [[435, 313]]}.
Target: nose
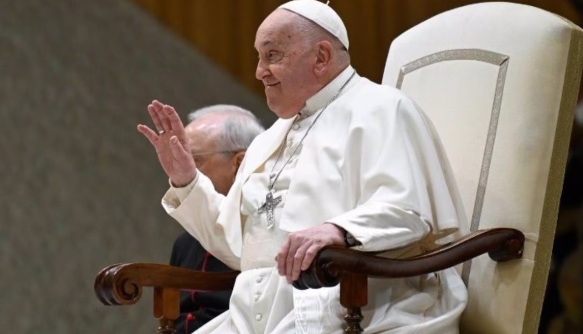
{"points": [[261, 71]]}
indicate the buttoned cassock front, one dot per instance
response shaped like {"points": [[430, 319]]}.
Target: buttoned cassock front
{"points": [[373, 165]]}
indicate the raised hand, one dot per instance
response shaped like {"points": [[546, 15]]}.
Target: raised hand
{"points": [[171, 143], [300, 248]]}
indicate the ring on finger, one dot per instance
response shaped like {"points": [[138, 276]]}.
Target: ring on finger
{"points": [[161, 132]]}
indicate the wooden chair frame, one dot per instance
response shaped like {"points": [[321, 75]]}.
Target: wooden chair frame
{"points": [[122, 284]]}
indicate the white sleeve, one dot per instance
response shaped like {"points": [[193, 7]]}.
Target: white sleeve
{"points": [[403, 197], [196, 208]]}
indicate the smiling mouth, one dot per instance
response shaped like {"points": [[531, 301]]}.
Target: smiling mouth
{"points": [[272, 85]]}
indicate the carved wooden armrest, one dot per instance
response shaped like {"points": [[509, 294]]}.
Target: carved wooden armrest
{"points": [[121, 284], [351, 268]]}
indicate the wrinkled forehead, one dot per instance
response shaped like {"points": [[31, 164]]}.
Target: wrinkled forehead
{"points": [[280, 28]]}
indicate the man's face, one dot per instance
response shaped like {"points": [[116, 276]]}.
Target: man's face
{"points": [[285, 64], [220, 167]]}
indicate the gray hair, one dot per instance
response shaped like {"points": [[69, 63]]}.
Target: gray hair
{"points": [[312, 33], [237, 131]]}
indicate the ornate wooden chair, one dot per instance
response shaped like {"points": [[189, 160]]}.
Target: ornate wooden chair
{"points": [[499, 82]]}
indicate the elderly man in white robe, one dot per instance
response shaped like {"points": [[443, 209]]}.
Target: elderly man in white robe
{"points": [[349, 162]]}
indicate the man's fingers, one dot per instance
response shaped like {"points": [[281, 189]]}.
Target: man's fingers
{"points": [[300, 249], [282, 256], [292, 258], [166, 118], [163, 117], [157, 104], [309, 256], [298, 262], [176, 124], [155, 118], [178, 151], [148, 133]]}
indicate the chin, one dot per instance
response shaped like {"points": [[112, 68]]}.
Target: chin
{"points": [[284, 115], [282, 112]]}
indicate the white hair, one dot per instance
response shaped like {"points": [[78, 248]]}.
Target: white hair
{"points": [[311, 32], [237, 131]]}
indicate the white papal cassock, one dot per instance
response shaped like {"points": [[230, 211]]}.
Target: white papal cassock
{"points": [[371, 164]]}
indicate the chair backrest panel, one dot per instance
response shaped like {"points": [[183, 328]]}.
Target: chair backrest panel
{"points": [[499, 83]]}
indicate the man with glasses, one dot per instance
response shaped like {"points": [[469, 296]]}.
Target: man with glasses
{"points": [[218, 136]]}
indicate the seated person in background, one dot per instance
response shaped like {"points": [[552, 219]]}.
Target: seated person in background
{"points": [[218, 137]]}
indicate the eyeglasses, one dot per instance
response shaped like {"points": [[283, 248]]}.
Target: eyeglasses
{"points": [[201, 158], [194, 155]]}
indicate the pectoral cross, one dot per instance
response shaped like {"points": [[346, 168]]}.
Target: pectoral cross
{"points": [[268, 206]]}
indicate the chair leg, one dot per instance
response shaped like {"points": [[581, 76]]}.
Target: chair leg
{"points": [[353, 295], [166, 309], [166, 326], [353, 318]]}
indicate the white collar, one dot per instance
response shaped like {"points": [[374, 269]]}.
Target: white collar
{"points": [[325, 95]]}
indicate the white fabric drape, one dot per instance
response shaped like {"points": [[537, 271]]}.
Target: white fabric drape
{"points": [[371, 165]]}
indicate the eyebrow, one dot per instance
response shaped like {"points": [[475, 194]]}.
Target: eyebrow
{"points": [[268, 42]]}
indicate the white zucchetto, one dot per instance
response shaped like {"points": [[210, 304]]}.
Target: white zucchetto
{"points": [[322, 15]]}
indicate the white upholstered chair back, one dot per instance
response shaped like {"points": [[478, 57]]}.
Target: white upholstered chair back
{"points": [[499, 82]]}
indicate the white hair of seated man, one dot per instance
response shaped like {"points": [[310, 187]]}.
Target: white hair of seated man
{"points": [[238, 131]]}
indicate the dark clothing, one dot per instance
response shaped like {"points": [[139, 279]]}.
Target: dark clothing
{"points": [[196, 307]]}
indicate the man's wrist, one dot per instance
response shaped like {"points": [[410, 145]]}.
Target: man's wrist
{"points": [[184, 184], [183, 192], [346, 237]]}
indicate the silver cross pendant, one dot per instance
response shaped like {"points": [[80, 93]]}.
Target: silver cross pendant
{"points": [[268, 207]]}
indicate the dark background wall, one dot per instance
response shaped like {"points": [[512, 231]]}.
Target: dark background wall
{"points": [[80, 187], [225, 29]]}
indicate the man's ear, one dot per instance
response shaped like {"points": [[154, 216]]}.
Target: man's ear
{"points": [[323, 57], [237, 159]]}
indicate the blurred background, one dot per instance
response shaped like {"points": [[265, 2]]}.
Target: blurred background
{"points": [[81, 188]]}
